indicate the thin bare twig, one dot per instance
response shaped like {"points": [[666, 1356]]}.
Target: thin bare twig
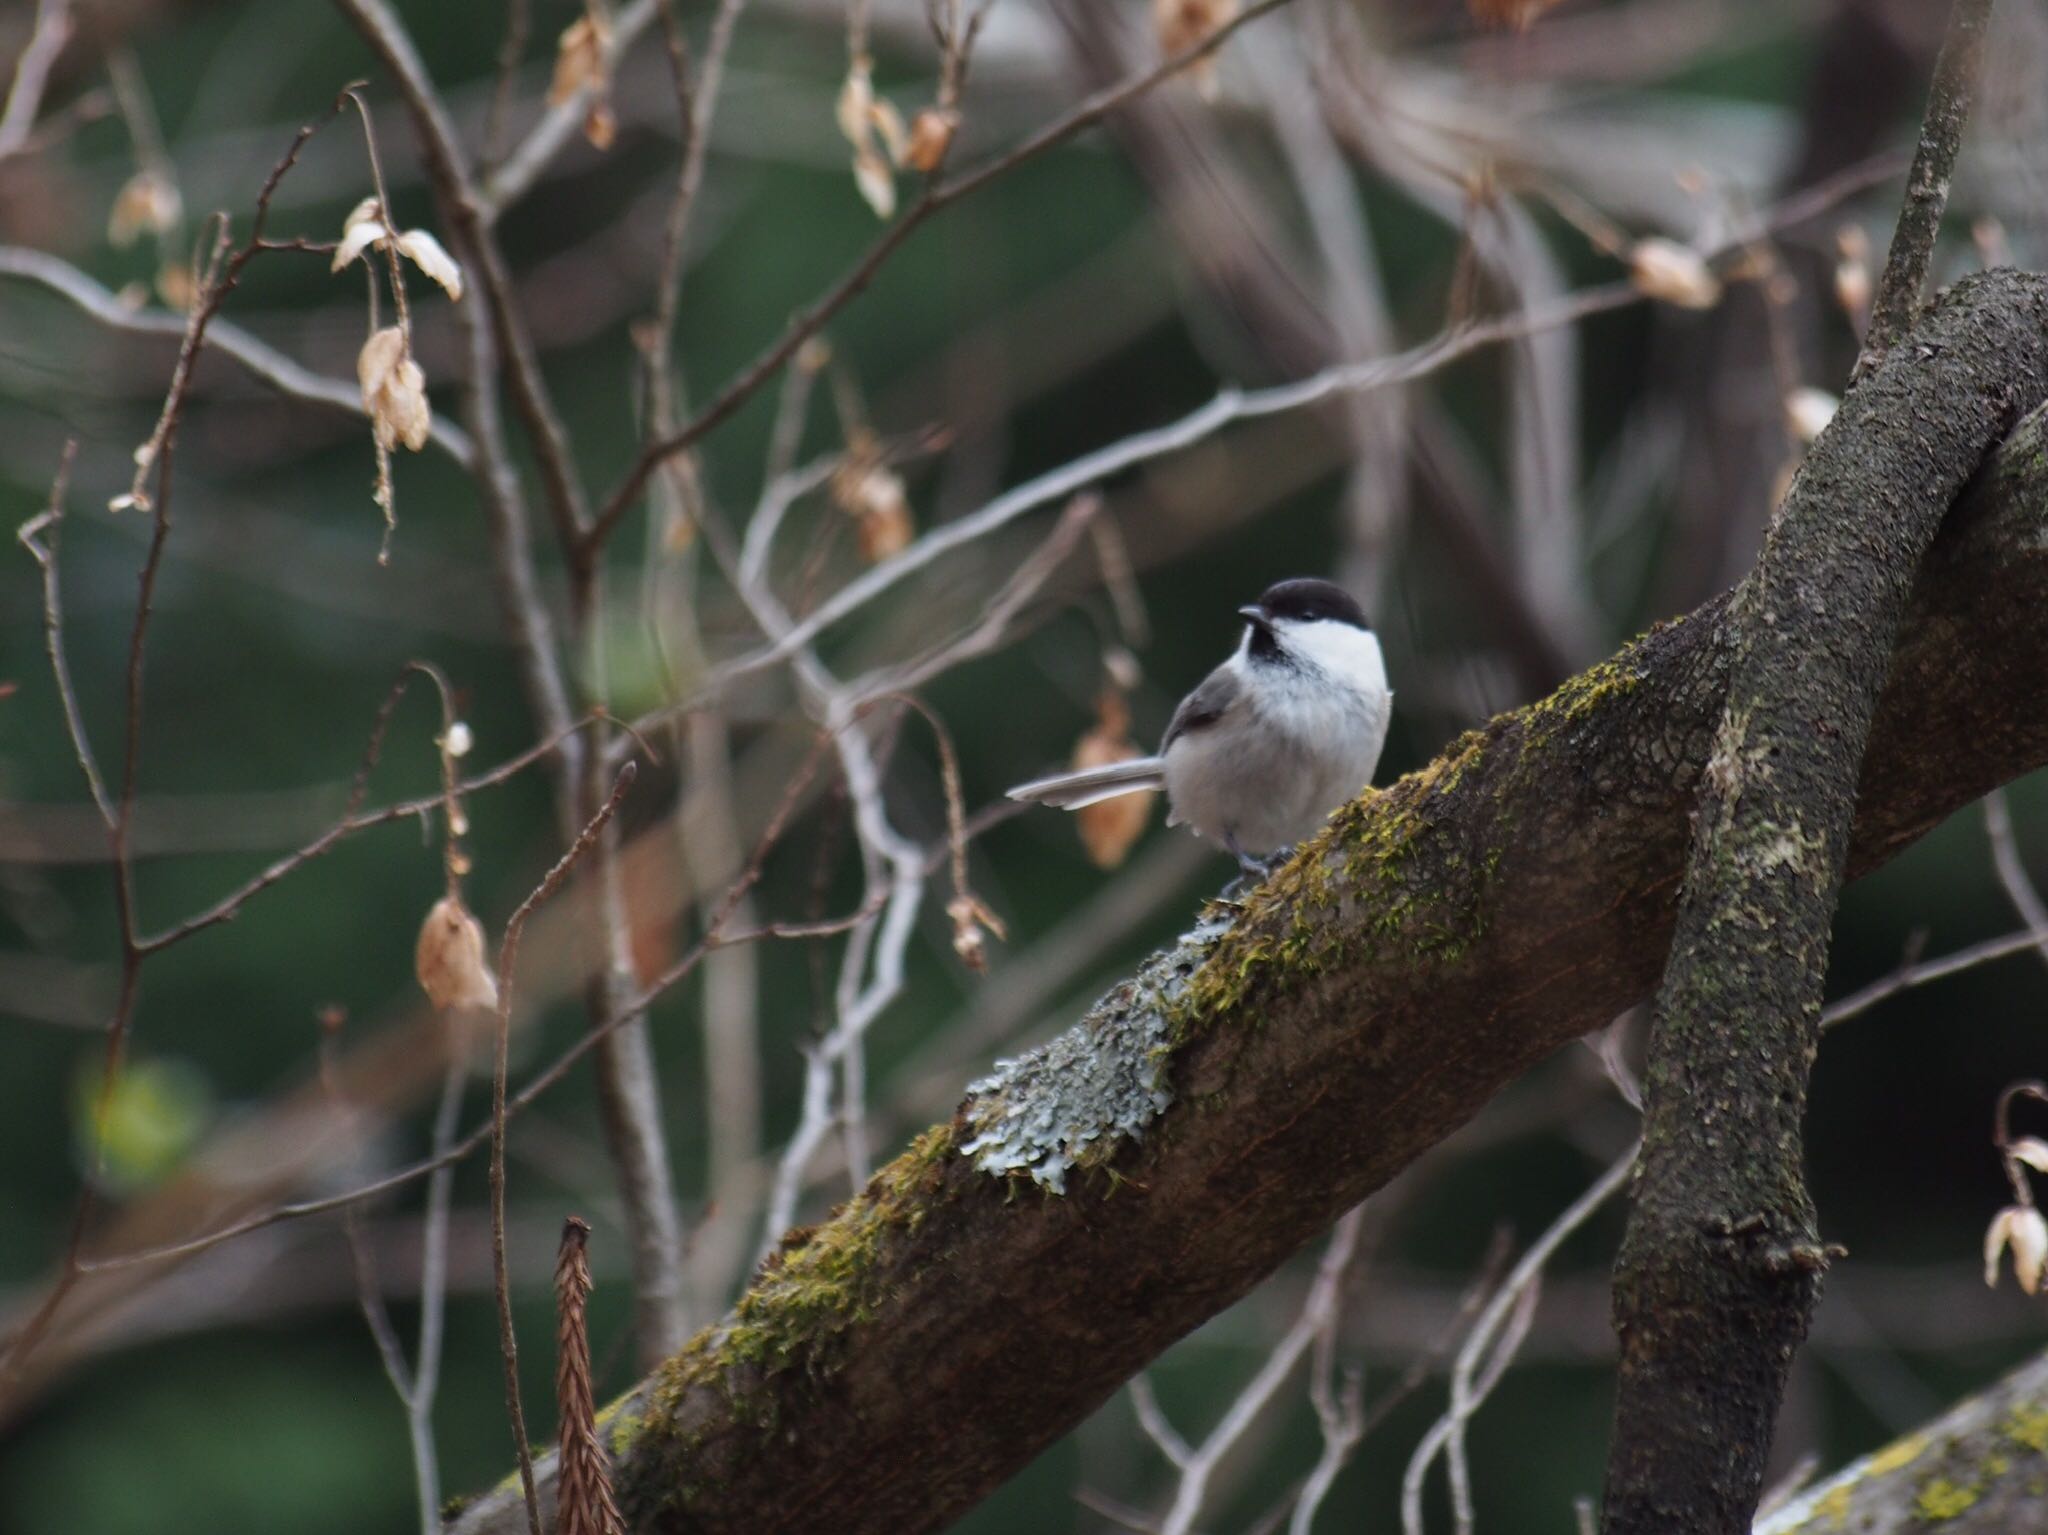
{"points": [[353, 820], [1941, 136], [511, 49], [1198, 1464], [263, 361], [457, 196], [1226, 408], [51, 520], [508, 961], [2012, 870], [222, 271], [1490, 1348], [417, 1383], [46, 40], [936, 196], [1917, 972]]}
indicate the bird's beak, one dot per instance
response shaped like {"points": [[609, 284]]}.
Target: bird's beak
{"points": [[1256, 615]]}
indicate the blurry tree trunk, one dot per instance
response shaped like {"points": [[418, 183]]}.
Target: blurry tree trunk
{"points": [[896, 1363]]}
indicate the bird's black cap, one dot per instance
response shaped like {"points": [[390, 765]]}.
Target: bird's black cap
{"points": [[1306, 599]]}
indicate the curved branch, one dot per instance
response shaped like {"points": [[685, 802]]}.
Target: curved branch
{"points": [[1214, 1113], [1720, 1267], [260, 358]]}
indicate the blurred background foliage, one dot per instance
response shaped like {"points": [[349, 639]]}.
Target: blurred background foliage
{"points": [[1086, 296]]}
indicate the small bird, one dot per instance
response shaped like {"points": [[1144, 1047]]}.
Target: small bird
{"points": [[1282, 733]]}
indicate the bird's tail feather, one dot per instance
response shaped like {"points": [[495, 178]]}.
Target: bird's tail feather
{"points": [[1071, 791]]}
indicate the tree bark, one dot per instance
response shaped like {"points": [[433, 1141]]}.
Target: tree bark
{"points": [[893, 1365], [1981, 1468], [1721, 1264]]}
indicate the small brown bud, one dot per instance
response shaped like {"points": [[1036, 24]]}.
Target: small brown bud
{"points": [[931, 135], [449, 958]]}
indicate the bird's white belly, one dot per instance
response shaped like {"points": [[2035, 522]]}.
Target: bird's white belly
{"points": [[1268, 787]]}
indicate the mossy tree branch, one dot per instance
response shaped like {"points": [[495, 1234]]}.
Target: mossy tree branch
{"points": [[1981, 1468], [1211, 1115]]}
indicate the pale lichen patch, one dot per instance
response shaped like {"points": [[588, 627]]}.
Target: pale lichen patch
{"points": [[1102, 1081]]}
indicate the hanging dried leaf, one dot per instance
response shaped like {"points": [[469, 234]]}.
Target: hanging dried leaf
{"points": [[862, 117], [394, 390], [579, 58], [1109, 828], [872, 494], [427, 253], [449, 958], [365, 226]]}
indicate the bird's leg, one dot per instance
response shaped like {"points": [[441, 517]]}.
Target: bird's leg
{"points": [[1277, 857], [1250, 870]]}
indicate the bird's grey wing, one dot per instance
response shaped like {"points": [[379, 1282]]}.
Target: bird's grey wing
{"points": [[1202, 708]]}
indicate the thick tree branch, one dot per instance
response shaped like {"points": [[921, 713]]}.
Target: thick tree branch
{"points": [[1976, 1470], [1256, 1080], [1721, 1264]]}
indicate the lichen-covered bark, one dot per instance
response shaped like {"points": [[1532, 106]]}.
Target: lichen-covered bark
{"points": [[1979, 1469], [897, 1362], [1721, 1262]]}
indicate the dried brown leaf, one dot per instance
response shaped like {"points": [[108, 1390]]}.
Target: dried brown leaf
{"points": [[449, 958]]}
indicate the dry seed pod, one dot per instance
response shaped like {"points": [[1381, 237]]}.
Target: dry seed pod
{"points": [[394, 390], [449, 958], [972, 921], [1110, 827], [2023, 1227]]}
